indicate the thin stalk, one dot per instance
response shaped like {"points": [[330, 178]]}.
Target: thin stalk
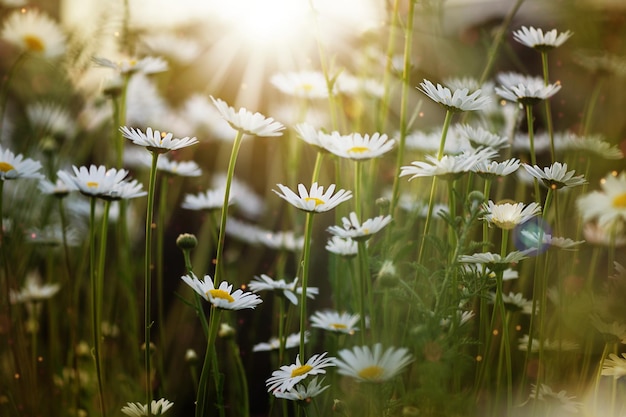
{"points": [[505, 330], [549, 124], [214, 324], [531, 138], [160, 238], [306, 259]]}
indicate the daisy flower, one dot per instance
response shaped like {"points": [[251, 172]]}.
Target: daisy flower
{"points": [[608, 206], [207, 200], [15, 166], [507, 215], [125, 190], [525, 89], [34, 290], [356, 146], [291, 341], [147, 65], [248, 202], [97, 181], [612, 331], [458, 101], [493, 169], [288, 376], [156, 141], [514, 302], [51, 118], [594, 144], [310, 135], [538, 239], [303, 392], [246, 122], [537, 39], [342, 247], [494, 261], [315, 200], [281, 240], [335, 321], [353, 229], [156, 408], [223, 296], [614, 366], [601, 235], [59, 188], [179, 168], [34, 32], [372, 365], [303, 84], [556, 176], [267, 283], [481, 138], [448, 167], [551, 398]]}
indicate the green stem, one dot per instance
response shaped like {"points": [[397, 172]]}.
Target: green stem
{"points": [[531, 138], [160, 237], [214, 324], [306, 259], [549, 124]]}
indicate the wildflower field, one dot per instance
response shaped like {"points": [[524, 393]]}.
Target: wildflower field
{"points": [[312, 208]]}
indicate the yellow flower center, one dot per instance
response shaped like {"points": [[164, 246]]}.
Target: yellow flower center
{"points": [[6, 167], [221, 294], [372, 373], [317, 200], [34, 43], [301, 370], [92, 184], [307, 87], [358, 149], [620, 201], [338, 326]]}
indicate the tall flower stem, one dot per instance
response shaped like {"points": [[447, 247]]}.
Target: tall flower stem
{"points": [[306, 259], [549, 124], [229, 179], [95, 319], [531, 138], [148, 278], [506, 343], [160, 238], [214, 324]]}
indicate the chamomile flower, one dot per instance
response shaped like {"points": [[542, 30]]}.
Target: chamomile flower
{"points": [[94, 181], [607, 207], [35, 33], [33, 290], [556, 176], [494, 261], [614, 366], [266, 283], [603, 236], [458, 101], [356, 146], [537, 39], [248, 122], [59, 188], [303, 84], [448, 167], [551, 398], [515, 302], [525, 90], [156, 141], [335, 322], [178, 168], [316, 200], [594, 144], [507, 215], [372, 365], [51, 118], [613, 332], [157, 408], [248, 202], [358, 231], [303, 392], [147, 65], [125, 190], [223, 296], [16, 166], [288, 376], [538, 239], [342, 247], [493, 169], [310, 135], [479, 137], [280, 240], [207, 200], [291, 341]]}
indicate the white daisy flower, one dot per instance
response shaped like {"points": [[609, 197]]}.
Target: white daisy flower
{"points": [[51, 118], [372, 365], [494, 261], [460, 100], [303, 392], [310, 135], [281, 240], [594, 144], [507, 215], [179, 168], [34, 32], [525, 89], [356, 146], [448, 167], [207, 200], [493, 169], [248, 122], [613, 331], [342, 247], [603, 236], [266, 283], [147, 65], [429, 142], [315, 200], [349, 84], [33, 290], [201, 114], [59, 188], [248, 202], [607, 207], [614, 366], [514, 302], [288, 376], [291, 341], [156, 141], [462, 316], [521, 143], [335, 321], [95, 181], [223, 296], [15, 166], [353, 229], [303, 84], [242, 231], [157, 408], [539, 239], [537, 39], [556, 176], [125, 190], [479, 137], [552, 398]]}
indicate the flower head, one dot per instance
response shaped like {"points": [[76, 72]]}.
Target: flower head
{"points": [[156, 408], [156, 141], [147, 65], [94, 181], [247, 122], [335, 322], [494, 261], [358, 231], [15, 166], [303, 84], [266, 283], [356, 146], [525, 89], [372, 365], [551, 398], [614, 366], [315, 200], [288, 376], [207, 200], [34, 290], [303, 392], [492, 169], [608, 206], [291, 341], [448, 167], [507, 215], [223, 296], [458, 101], [343, 247], [556, 176], [34, 32], [537, 39]]}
